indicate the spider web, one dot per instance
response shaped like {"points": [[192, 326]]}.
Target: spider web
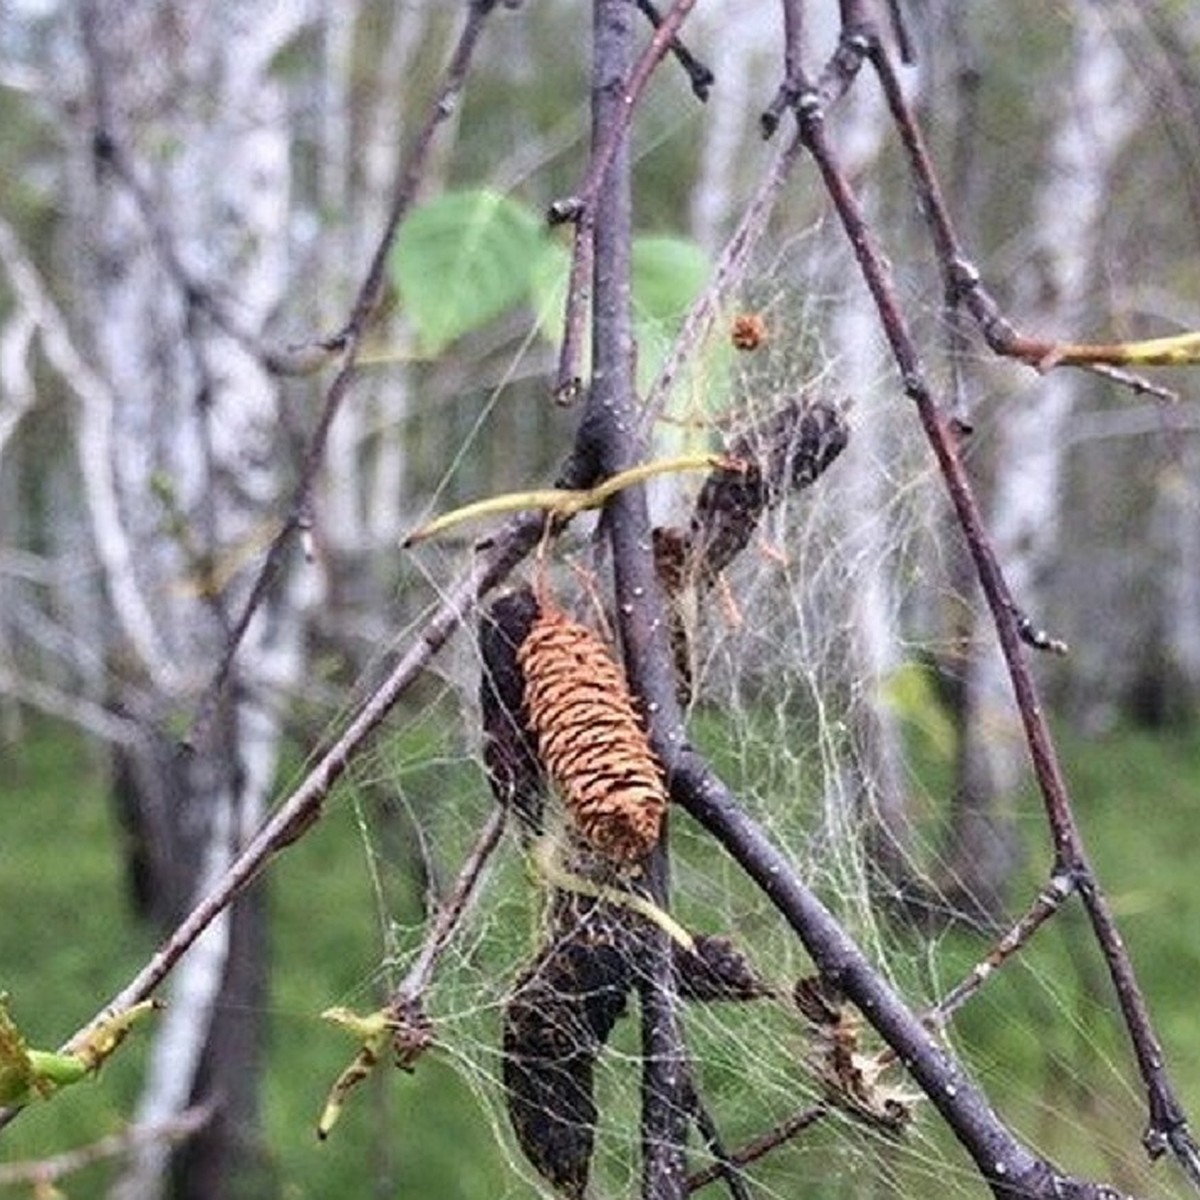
{"points": [[814, 659]]}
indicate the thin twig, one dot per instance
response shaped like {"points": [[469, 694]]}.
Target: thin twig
{"points": [[793, 67], [700, 77], [1008, 1166], [833, 83], [1047, 902], [451, 911], [1045, 905], [760, 1147], [348, 342], [296, 814], [402, 1022], [725, 1167], [962, 279], [726, 276], [566, 502]]}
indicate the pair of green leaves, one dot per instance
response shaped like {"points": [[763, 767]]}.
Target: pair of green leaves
{"points": [[472, 256]]}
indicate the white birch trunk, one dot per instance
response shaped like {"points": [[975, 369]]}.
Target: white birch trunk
{"points": [[1098, 115], [177, 435]]}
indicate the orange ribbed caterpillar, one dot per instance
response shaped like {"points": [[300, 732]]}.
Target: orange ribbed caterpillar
{"points": [[590, 737]]}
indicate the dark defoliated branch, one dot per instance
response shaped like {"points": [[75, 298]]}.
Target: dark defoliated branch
{"points": [[760, 1147], [1167, 1122], [1045, 905], [793, 66], [1167, 1127], [347, 342], [963, 282]]}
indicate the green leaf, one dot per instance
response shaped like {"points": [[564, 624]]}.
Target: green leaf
{"points": [[668, 274], [462, 261], [910, 693], [27, 1075]]}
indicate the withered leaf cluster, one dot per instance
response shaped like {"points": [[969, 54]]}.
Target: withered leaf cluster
{"points": [[852, 1079], [784, 452], [562, 1011], [560, 1015]]}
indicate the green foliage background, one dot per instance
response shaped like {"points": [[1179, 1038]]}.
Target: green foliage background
{"points": [[1042, 1035]]}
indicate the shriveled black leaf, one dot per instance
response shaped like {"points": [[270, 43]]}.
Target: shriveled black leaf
{"points": [[784, 452], [560, 1015], [509, 749], [715, 969]]}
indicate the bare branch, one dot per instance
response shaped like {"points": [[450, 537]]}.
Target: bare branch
{"points": [[303, 807], [1007, 1165], [608, 443], [760, 1147], [1168, 1125], [700, 77]]}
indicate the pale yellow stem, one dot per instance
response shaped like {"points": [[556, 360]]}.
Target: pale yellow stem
{"points": [[545, 858], [566, 502]]}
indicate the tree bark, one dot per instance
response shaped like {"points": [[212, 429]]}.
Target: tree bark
{"points": [[180, 461]]}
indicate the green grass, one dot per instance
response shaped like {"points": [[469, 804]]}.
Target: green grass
{"points": [[1042, 1036]]}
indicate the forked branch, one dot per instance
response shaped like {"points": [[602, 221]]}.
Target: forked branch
{"points": [[1167, 1123]]}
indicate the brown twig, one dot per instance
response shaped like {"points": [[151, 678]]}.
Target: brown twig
{"points": [[760, 1147], [1047, 902], [450, 912], [793, 67], [1167, 1123], [1045, 905], [348, 342], [402, 1024], [608, 441], [962, 280], [700, 77], [299, 811], [1008, 1166], [728, 273]]}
